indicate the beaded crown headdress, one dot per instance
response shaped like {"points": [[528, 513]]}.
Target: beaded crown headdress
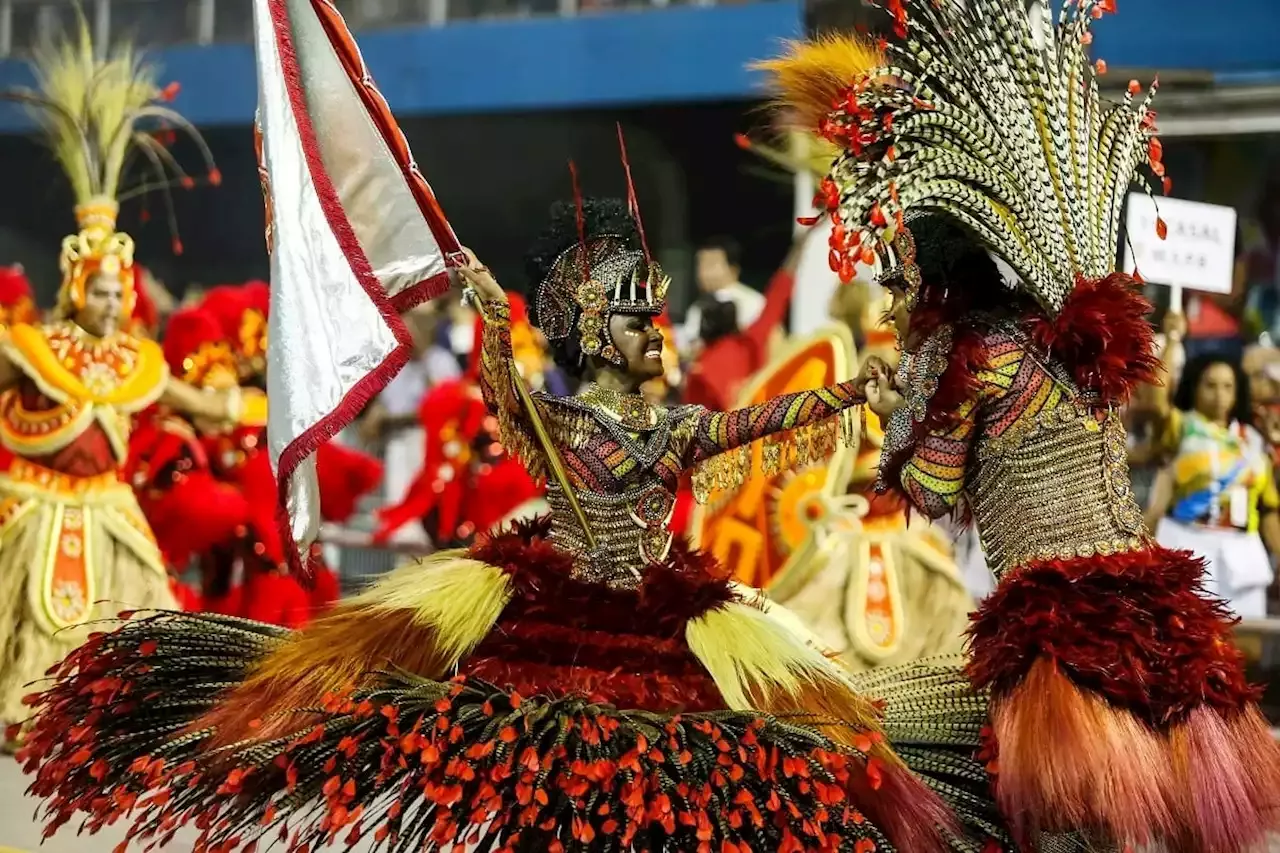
{"points": [[979, 114], [99, 115], [601, 274]]}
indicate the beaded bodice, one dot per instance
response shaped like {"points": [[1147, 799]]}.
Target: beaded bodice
{"points": [[1044, 472], [1058, 488], [625, 459], [625, 480]]}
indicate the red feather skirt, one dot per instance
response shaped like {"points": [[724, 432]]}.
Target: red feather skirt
{"points": [[1119, 706]]}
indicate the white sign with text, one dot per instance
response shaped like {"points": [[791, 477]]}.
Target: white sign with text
{"points": [[1198, 252]]}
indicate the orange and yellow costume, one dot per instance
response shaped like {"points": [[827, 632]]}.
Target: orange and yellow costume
{"points": [[71, 534], [74, 544]]}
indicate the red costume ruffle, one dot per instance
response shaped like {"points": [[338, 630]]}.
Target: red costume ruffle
{"points": [[1136, 627], [1103, 335], [1119, 705], [559, 636]]}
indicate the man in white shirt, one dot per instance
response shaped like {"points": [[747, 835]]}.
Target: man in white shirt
{"points": [[719, 264]]}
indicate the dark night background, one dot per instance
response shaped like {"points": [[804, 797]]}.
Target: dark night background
{"points": [[495, 175]]}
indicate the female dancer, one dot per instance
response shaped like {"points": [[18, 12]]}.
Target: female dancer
{"points": [[1118, 704], [610, 690]]}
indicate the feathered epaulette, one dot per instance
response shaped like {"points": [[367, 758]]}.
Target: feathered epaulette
{"points": [[1103, 336]]}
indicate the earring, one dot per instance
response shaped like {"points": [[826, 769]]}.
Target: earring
{"points": [[590, 298], [905, 246]]}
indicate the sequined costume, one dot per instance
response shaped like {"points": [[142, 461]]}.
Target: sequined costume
{"points": [[1118, 708], [73, 535], [626, 465], [613, 689]]}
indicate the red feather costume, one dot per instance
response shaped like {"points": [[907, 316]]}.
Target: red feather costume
{"points": [[1118, 709], [616, 694], [210, 493], [17, 305]]}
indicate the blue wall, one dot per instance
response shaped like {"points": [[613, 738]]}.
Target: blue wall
{"points": [[1229, 36], [679, 54], [673, 55]]}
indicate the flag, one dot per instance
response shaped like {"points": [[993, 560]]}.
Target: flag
{"points": [[356, 237]]}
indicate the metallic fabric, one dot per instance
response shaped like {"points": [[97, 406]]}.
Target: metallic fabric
{"points": [[383, 213], [1056, 487], [329, 336], [631, 529]]}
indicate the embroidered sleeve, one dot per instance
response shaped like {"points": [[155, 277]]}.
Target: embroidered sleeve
{"points": [[1013, 390], [495, 358], [499, 391], [799, 428], [718, 432], [933, 477]]}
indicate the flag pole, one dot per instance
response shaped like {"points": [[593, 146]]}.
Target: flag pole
{"points": [[554, 462]]}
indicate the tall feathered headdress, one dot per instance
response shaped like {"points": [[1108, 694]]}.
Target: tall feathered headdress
{"points": [[100, 116], [978, 114]]}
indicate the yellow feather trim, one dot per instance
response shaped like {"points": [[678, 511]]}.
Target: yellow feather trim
{"points": [[758, 664], [459, 598], [809, 77], [422, 618]]}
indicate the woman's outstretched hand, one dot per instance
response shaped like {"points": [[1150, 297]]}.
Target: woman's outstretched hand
{"points": [[875, 382], [883, 399], [477, 276]]}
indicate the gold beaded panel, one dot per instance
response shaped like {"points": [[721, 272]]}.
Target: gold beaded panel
{"points": [[1058, 488]]}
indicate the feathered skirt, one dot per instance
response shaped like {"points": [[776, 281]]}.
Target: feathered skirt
{"points": [[1119, 706], [488, 699]]}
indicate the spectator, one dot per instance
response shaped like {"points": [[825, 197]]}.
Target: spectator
{"points": [[1258, 270], [729, 356], [719, 266], [392, 420], [1218, 496]]}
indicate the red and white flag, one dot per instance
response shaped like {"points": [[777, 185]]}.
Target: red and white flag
{"points": [[355, 233]]}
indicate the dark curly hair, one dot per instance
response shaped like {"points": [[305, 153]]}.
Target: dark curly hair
{"points": [[959, 275], [1185, 397], [601, 216]]}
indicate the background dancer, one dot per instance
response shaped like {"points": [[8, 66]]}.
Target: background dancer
{"points": [[73, 533]]}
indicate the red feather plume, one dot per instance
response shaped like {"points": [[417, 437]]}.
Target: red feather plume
{"points": [[1103, 336]]}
